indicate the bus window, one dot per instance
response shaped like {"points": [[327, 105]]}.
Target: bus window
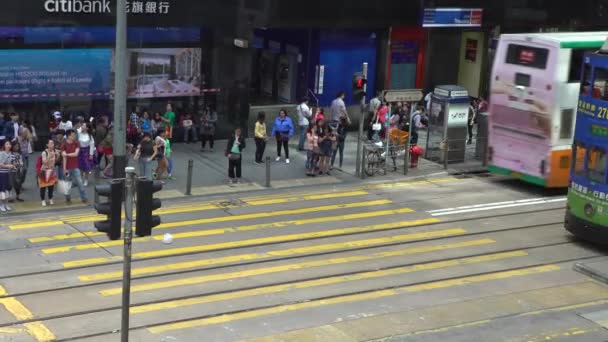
{"points": [[579, 161], [586, 80], [576, 59], [596, 165], [567, 121], [600, 83], [527, 56]]}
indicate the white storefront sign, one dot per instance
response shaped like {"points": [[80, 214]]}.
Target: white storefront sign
{"points": [[103, 6]]}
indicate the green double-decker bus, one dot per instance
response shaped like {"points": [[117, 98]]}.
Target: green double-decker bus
{"points": [[587, 210]]}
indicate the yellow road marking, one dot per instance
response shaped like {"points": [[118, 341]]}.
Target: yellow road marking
{"points": [[298, 266], [12, 331], [350, 298], [65, 249], [319, 282], [550, 336], [217, 220], [261, 256], [281, 238], [249, 201], [190, 207], [38, 330]]}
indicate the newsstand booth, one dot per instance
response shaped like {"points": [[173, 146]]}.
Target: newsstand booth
{"points": [[448, 116]]}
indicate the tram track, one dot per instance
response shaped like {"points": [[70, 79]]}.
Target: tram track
{"points": [[311, 299], [530, 247], [452, 221]]}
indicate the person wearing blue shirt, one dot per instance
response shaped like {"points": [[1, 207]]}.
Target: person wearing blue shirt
{"points": [[283, 130]]}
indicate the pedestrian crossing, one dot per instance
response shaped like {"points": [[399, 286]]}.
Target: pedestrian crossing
{"points": [[258, 258]]}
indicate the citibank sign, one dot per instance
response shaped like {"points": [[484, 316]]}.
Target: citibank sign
{"points": [[77, 6]]}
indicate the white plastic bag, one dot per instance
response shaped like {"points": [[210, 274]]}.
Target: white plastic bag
{"points": [[64, 187]]}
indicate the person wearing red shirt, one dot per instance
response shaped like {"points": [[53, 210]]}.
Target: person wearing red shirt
{"points": [[69, 152]]}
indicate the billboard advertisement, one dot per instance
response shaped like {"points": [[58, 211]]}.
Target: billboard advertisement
{"points": [[30, 74], [169, 72]]}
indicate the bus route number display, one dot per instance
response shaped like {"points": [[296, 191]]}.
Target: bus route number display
{"points": [[591, 109]]}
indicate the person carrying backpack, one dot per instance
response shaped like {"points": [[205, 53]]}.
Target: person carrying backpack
{"points": [[419, 120], [45, 172]]}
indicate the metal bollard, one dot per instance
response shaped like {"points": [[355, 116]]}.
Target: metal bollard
{"points": [[446, 153], [268, 172], [363, 162], [189, 179]]}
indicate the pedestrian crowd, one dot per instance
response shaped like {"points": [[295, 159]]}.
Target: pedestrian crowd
{"points": [[76, 148]]}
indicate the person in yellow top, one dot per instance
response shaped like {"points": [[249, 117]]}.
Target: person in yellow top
{"points": [[260, 137]]}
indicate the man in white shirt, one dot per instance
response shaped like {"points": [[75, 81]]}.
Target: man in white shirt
{"points": [[338, 109], [304, 113]]}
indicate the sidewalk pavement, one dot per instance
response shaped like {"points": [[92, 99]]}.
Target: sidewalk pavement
{"points": [[210, 174]]}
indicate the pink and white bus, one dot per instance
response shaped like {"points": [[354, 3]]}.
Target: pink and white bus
{"points": [[533, 99]]}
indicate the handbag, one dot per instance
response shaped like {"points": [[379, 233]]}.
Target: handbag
{"points": [[377, 126], [64, 187], [187, 123], [234, 156]]}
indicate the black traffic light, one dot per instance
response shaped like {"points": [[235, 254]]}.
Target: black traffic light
{"points": [[359, 82], [112, 209], [146, 204]]}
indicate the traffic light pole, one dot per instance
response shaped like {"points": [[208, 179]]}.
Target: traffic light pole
{"points": [[120, 92], [126, 273], [358, 164]]}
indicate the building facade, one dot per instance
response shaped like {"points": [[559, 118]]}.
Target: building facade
{"points": [[232, 54]]}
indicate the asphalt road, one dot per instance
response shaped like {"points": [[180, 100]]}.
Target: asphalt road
{"points": [[443, 259]]}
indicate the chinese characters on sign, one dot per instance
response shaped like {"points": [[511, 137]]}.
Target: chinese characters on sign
{"points": [[148, 7], [591, 109]]}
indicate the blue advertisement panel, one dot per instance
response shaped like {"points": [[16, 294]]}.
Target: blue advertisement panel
{"points": [[452, 17], [29, 74]]}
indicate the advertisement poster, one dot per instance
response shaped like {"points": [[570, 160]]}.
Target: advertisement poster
{"points": [[28, 74], [588, 204], [471, 50], [171, 72]]}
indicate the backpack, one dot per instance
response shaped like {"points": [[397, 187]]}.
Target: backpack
{"points": [[39, 164], [424, 120]]}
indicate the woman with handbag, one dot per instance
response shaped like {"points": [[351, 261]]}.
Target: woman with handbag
{"points": [[86, 156], [17, 175], [5, 168], [47, 177], [283, 130], [234, 148]]}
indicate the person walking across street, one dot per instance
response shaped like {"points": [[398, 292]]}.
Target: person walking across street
{"points": [[47, 177], [260, 137], [70, 152], [145, 155], [304, 114], [234, 148], [283, 130]]}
